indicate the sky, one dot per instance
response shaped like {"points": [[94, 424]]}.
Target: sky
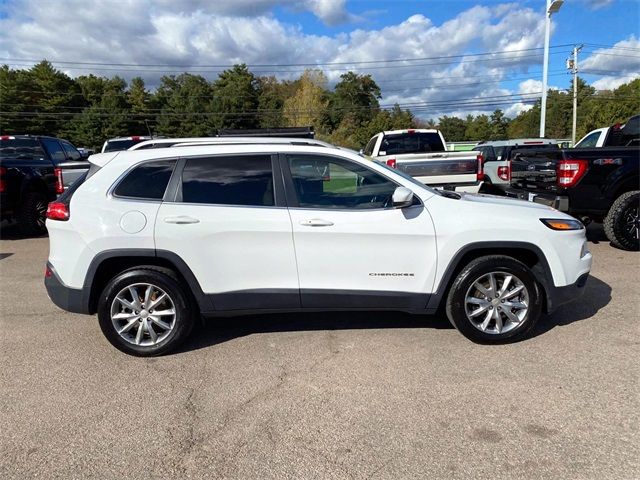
{"points": [[445, 57]]}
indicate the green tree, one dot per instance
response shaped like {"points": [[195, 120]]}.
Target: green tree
{"points": [[139, 100], [452, 128], [308, 106], [185, 106], [477, 128], [355, 94], [499, 126], [236, 99]]}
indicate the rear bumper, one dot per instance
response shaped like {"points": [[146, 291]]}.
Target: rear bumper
{"points": [[557, 296], [559, 202], [67, 298]]}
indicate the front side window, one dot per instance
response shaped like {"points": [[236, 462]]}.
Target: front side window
{"points": [[327, 182], [147, 181], [72, 153], [233, 180], [54, 149]]}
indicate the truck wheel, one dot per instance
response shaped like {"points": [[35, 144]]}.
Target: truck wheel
{"points": [[32, 214], [494, 299], [145, 311], [622, 223]]}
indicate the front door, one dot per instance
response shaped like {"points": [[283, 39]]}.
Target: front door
{"points": [[354, 250]]}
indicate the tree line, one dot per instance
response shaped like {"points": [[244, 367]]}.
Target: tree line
{"points": [[90, 109]]}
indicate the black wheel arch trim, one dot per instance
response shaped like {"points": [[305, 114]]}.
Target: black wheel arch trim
{"points": [[541, 270], [204, 301]]}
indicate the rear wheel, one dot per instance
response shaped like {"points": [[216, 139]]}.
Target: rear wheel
{"points": [[494, 299], [33, 213], [622, 223], [145, 311]]}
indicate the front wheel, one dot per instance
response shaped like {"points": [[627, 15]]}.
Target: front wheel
{"points": [[494, 299], [145, 311]]}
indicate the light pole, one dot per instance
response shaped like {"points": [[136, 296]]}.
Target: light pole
{"points": [[552, 7]]}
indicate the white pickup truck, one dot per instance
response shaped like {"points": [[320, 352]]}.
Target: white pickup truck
{"points": [[422, 154]]}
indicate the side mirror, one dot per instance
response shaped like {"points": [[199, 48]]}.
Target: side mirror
{"points": [[361, 152], [402, 197]]}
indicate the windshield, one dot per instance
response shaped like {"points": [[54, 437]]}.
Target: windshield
{"points": [[21, 148], [418, 142]]}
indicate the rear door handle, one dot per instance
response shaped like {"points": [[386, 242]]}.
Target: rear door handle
{"points": [[181, 220], [316, 222]]}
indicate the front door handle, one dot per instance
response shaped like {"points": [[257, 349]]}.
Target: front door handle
{"points": [[181, 220], [316, 222]]}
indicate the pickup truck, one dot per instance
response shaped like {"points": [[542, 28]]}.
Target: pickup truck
{"points": [[422, 154], [34, 170], [600, 184]]}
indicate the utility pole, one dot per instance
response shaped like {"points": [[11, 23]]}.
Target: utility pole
{"points": [[572, 65]]}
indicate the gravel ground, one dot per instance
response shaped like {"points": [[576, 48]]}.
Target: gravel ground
{"points": [[366, 395]]}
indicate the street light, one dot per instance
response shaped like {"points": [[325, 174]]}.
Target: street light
{"points": [[552, 7]]}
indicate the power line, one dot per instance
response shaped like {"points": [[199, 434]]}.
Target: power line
{"points": [[359, 62], [200, 69]]}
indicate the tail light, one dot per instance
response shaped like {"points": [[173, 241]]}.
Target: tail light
{"points": [[480, 174], [504, 173], [3, 185], [391, 163], [569, 172], [59, 181], [58, 211]]}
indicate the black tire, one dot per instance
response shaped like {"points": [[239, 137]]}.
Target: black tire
{"points": [[621, 223], [185, 310], [32, 213], [456, 305]]}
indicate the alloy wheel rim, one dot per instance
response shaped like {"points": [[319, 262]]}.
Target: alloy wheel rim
{"points": [[143, 314], [497, 303], [632, 223], [41, 210]]}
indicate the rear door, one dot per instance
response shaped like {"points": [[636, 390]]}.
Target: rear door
{"points": [[229, 223], [353, 249]]}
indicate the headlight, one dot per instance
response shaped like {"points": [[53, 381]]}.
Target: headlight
{"points": [[561, 224]]}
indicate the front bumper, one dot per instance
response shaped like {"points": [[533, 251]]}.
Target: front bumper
{"points": [[559, 202], [557, 296], [67, 298]]}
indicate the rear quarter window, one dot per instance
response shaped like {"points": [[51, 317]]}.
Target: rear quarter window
{"points": [[147, 181]]}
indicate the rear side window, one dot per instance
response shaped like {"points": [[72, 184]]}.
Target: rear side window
{"points": [[368, 150], [235, 180], [147, 181]]}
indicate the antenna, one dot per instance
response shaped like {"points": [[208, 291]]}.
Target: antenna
{"points": [[146, 122]]}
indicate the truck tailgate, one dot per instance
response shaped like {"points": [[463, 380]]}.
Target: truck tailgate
{"points": [[71, 171]]}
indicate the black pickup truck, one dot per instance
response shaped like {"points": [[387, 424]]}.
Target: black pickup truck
{"points": [[592, 184], [34, 170]]}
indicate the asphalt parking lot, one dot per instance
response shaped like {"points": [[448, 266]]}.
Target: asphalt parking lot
{"points": [[365, 395]]}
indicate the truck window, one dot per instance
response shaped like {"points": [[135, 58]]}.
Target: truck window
{"points": [[418, 142], [589, 141], [368, 150], [21, 148], [54, 149], [72, 153]]}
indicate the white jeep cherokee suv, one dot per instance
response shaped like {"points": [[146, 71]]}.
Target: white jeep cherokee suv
{"points": [[153, 239]]}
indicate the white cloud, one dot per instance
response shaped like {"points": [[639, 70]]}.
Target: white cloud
{"points": [[611, 83], [598, 4], [622, 58], [201, 33]]}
